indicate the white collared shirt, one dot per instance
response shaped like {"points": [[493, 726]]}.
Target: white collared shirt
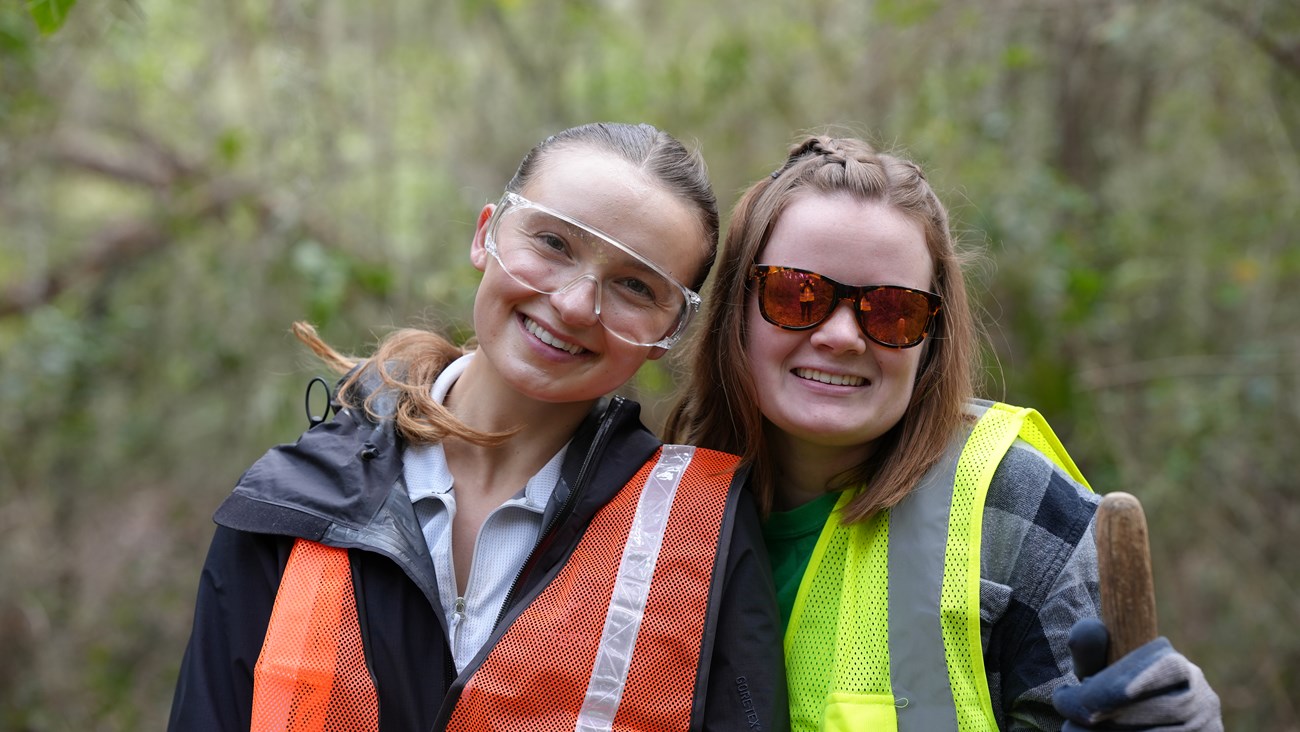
{"points": [[504, 541]]}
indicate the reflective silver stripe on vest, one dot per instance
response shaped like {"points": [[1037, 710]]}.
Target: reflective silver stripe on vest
{"points": [[631, 588], [918, 541]]}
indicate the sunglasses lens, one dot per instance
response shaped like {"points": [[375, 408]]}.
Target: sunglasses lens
{"points": [[796, 299], [895, 316], [890, 315]]}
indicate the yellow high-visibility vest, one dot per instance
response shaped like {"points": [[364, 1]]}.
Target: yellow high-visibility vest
{"points": [[884, 634]]}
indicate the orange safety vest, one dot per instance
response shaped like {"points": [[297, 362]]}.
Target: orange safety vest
{"points": [[630, 584]]}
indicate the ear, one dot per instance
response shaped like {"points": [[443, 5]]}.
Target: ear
{"points": [[478, 253], [656, 353]]}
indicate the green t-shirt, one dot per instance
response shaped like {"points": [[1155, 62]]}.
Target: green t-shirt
{"points": [[791, 537]]}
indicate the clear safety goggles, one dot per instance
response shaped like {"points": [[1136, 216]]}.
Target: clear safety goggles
{"points": [[546, 251]]}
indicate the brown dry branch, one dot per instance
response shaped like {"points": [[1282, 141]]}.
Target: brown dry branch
{"points": [[184, 193], [1285, 54]]}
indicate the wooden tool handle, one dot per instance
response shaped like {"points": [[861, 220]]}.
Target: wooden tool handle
{"points": [[1128, 597]]}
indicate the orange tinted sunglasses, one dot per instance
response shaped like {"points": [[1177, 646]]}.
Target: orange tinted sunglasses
{"points": [[891, 315]]}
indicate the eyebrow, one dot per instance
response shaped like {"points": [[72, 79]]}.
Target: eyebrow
{"points": [[627, 256]]}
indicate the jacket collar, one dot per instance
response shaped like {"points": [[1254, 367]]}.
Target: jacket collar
{"points": [[343, 477], [341, 484]]}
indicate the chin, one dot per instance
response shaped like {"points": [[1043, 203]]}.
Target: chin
{"points": [[823, 436]]}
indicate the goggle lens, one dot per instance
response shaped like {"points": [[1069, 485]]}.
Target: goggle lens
{"points": [[795, 299], [549, 252]]}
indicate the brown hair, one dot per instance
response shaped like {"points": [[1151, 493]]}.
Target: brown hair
{"points": [[718, 407], [408, 361]]}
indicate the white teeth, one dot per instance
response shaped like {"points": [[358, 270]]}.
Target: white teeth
{"points": [[545, 337], [833, 379]]}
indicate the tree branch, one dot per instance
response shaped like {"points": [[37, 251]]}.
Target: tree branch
{"points": [[1287, 57], [1180, 367], [124, 242]]}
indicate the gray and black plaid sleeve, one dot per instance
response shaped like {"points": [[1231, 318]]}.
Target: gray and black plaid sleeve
{"points": [[1038, 576]]}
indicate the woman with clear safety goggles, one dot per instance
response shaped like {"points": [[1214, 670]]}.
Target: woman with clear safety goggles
{"points": [[933, 553], [486, 539]]}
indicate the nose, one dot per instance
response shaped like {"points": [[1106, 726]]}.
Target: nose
{"points": [[578, 303], [840, 332]]}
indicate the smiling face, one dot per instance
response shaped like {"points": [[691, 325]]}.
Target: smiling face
{"points": [[553, 348], [830, 386]]}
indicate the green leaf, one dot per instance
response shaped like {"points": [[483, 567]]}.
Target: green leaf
{"points": [[230, 145], [50, 14], [906, 13]]}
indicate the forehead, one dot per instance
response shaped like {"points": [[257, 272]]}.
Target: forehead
{"points": [[855, 242], [609, 194]]}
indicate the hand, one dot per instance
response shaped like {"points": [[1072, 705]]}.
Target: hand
{"points": [[1152, 687]]}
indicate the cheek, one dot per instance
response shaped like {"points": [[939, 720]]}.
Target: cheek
{"points": [[496, 288], [902, 368], [482, 300], [760, 346]]}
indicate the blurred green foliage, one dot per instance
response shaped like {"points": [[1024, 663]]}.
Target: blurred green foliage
{"points": [[50, 14], [181, 181]]}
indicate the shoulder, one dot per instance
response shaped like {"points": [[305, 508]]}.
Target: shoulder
{"points": [[339, 471], [1038, 559], [1038, 576], [1034, 516]]}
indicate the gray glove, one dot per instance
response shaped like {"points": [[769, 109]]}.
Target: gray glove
{"points": [[1153, 687]]}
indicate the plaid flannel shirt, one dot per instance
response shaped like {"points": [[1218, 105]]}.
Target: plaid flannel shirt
{"points": [[1038, 576]]}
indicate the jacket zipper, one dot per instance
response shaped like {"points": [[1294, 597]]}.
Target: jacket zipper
{"points": [[457, 619], [597, 447]]}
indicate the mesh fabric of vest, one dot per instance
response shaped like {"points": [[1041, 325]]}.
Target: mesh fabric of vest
{"points": [[840, 621], [535, 677], [311, 675], [992, 436]]}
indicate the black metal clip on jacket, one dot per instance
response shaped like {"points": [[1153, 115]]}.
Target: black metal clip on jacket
{"points": [[330, 404]]}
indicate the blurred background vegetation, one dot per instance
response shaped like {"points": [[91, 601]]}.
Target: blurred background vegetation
{"points": [[181, 181]]}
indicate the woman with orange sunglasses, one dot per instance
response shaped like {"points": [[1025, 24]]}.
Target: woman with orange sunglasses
{"points": [[932, 552]]}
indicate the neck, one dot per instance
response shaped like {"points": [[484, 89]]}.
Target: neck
{"points": [[540, 430], [804, 469]]}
